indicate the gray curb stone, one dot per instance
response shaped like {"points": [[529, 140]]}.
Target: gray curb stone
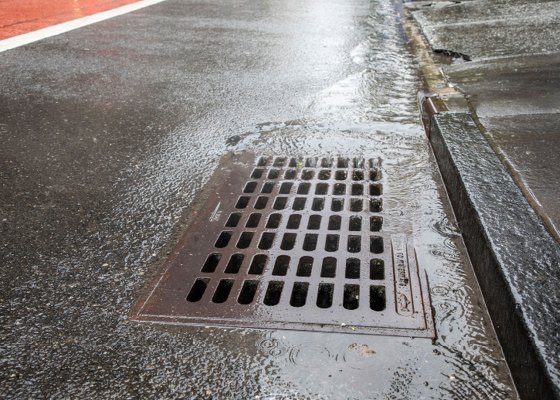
{"points": [[516, 260]]}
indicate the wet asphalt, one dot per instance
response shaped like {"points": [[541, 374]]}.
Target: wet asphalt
{"points": [[113, 133]]}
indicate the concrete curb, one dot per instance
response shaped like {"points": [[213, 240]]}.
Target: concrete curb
{"points": [[515, 258]]}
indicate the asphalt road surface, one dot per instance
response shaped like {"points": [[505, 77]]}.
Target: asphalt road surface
{"points": [[112, 135]]}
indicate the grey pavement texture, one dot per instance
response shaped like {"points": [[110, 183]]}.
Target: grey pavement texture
{"points": [[512, 89], [486, 29], [114, 134], [518, 102]]}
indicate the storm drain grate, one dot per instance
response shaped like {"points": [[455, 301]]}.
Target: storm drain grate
{"points": [[295, 243]]}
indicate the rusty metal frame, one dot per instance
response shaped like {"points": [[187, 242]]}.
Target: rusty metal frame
{"points": [[407, 309]]}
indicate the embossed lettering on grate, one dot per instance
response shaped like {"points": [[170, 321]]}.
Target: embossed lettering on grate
{"points": [[295, 243]]}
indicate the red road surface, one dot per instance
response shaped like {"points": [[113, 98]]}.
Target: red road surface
{"points": [[22, 16]]}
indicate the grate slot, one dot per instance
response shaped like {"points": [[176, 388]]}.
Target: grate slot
{"points": [[285, 188], [340, 175], [321, 189], [377, 299], [261, 202], [307, 174], [303, 188], [250, 187], [211, 263], [281, 266], [337, 205], [280, 203], [376, 244], [318, 204], [299, 294], [273, 174], [335, 221], [244, 240], [234, 264], [294, 221], [248, 291], [374, 175], [257, 173], [375, 190], [288, 241], [253, 220], [354, 244], [339, 189], [358, 163], [267, 239], [358, 175], [273, 221], [331, 244], [375, 224], [222, 291], [355, 224], [305, 266], [290, 174], [198, 290], [233, 220], [299, 203], [328, 269], [243, 202], [357, 189], [310, 242], [324, 175], [325, 295], [273, 293], [351, 300], [356, 205], [375, 205], [267, 188], [376, 269], [258, 264], [352, 268], [314, 222], [223, 239]]}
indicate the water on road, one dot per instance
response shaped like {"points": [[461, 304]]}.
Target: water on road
{"points": [[112, 132]]}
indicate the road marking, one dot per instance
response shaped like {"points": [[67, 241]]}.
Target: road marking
{"points": [[54, 30], [216, 214]]}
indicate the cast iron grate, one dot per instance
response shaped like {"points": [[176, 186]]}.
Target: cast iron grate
{"points": [[295, 243]]}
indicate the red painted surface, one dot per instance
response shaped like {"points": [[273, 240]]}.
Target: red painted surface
{"points": [[22, 16]]}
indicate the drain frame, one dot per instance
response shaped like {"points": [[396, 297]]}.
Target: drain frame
{"points": [[165, 300]]}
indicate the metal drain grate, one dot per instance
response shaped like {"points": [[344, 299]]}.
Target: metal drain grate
{"points": [[295, 243]]}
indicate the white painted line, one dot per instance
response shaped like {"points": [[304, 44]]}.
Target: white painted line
{"points": [[31, 37]]}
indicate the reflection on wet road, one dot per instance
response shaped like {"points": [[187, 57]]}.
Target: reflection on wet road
{"points": [[112, 131]]}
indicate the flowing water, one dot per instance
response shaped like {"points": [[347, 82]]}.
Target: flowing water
{"points": [[361, 102]]}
